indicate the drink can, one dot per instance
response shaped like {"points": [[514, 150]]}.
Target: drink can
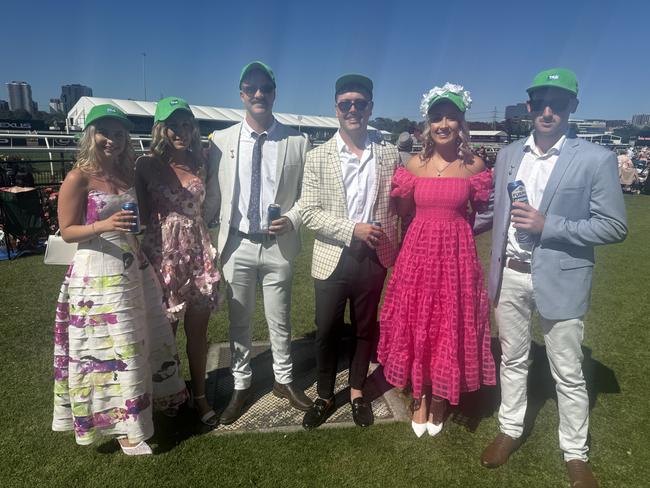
{"points": [[274, 212], [517, 192], [133, 207], [376, 223]]}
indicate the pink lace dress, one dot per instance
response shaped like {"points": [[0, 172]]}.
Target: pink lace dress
{"points": [[435, 326], [177, 243]]}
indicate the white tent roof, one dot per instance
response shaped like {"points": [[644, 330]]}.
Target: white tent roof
{"points": [[487, 133], [78, 113]]}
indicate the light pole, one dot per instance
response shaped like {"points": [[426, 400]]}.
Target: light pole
{"points": [[299, 120], [144, 75]]}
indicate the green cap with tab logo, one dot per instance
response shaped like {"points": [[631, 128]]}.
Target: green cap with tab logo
{"points": [[556, 77], [167, 106], [107, 111]]}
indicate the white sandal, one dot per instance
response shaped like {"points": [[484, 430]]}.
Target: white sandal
{"points": [[141, 449]]}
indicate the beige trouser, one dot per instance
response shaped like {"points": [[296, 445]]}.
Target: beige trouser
{"points": [[245, 264], [563, 339]]}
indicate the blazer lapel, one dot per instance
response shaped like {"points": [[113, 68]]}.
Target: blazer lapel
{"points": [[561, 165], [279, 167], [377, 153], [334, 161]]}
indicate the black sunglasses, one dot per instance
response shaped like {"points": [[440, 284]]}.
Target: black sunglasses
{"points": [[346, 105], [556, 104], [251, 90]]}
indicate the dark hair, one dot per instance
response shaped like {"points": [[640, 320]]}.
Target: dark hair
{"points": [[353, 87]]}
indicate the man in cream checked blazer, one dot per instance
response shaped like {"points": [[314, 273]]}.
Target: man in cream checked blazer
{"points": [[253, 164], [346, 201]]}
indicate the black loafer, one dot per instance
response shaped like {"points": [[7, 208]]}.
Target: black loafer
{"points": [[239, 400], [296, 396], [362, 412], [318, 413]]}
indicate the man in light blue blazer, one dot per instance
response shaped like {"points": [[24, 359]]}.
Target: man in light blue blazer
{"points": [[543, 258]]}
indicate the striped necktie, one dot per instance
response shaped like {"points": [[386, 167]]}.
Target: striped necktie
{"points": [[253, 214]]}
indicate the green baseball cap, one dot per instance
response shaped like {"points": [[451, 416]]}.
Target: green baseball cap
{"points": [[556, 77], [259, 65], [167, 106], [353, 79], [107, 111], [454, 98]]}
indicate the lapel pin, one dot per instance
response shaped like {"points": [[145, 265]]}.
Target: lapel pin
{"points": [[232, 153]]}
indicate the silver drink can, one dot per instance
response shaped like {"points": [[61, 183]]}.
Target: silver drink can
{"points": [[517, 192], [133, 207], [376, 223]]}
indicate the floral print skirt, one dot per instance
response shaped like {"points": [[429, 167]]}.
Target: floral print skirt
{"points": [[115, 354]]}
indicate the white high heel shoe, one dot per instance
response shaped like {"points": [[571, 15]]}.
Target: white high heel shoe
{"points": [[419, 429], [433, 429], [437, 410], [141, 449]]}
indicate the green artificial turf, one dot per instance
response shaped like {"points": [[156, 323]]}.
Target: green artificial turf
{"points": [[617, 340]]}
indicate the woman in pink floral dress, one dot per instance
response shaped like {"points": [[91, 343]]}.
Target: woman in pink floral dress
{"points": [[434, 327], [171, 189], [114, 351]]}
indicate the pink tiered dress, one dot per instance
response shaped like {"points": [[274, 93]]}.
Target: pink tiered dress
{"points": [[435, 325]]}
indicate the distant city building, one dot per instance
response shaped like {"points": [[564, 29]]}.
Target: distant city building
{"points": [[70, 94], [589, 126], [641, 120], [34, 107], [4, 106], [518, 111], [56, 105], [615, 124], [20, 96]]}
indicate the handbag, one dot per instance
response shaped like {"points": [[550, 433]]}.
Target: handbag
{"points": [[58, 251]]}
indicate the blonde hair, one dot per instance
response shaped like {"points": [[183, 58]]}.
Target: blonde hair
{"points": [[161, 148], [464, 149], [88, 162]]}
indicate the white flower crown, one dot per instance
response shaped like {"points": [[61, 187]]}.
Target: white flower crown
{"points": [[437, 91]]}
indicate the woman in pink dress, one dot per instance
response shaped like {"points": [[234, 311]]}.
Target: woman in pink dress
{"points": [[435, 329], [171, 189]]}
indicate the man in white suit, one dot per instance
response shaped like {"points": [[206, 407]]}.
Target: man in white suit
{"points": [[574, 204], [346, 202], [254, 164]]}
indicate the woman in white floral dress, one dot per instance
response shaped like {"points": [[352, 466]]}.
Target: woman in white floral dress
{"points": [[115, 355]]}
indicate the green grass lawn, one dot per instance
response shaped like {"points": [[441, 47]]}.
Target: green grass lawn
{"points": [[617, 339]]}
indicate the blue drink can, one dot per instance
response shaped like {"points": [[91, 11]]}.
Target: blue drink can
{"points": [[517, 192], [133, 207], [274, 213]]}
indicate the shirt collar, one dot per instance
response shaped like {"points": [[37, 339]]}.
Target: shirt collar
{"points": [[342, 147], [248, 130], [530, 146]]}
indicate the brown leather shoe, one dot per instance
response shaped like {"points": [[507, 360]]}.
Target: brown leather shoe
{"points": [[296, 396], [580, 475], [498, 452]]}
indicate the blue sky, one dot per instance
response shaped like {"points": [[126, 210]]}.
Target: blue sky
{"points": [[196, 50]]}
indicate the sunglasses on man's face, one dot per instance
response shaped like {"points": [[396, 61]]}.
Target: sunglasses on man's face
{"points": [[556, 104], [346, 105], [250, 90]]}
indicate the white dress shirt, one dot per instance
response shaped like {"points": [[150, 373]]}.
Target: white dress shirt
{"points": [[358, 180], [244, 171], [534, 171]]}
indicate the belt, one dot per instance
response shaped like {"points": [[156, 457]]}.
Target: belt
{"points": [[256, 238], [519, 266]]}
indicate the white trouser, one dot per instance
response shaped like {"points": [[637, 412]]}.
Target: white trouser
{"points": [[246, 263], [563, 339]]}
